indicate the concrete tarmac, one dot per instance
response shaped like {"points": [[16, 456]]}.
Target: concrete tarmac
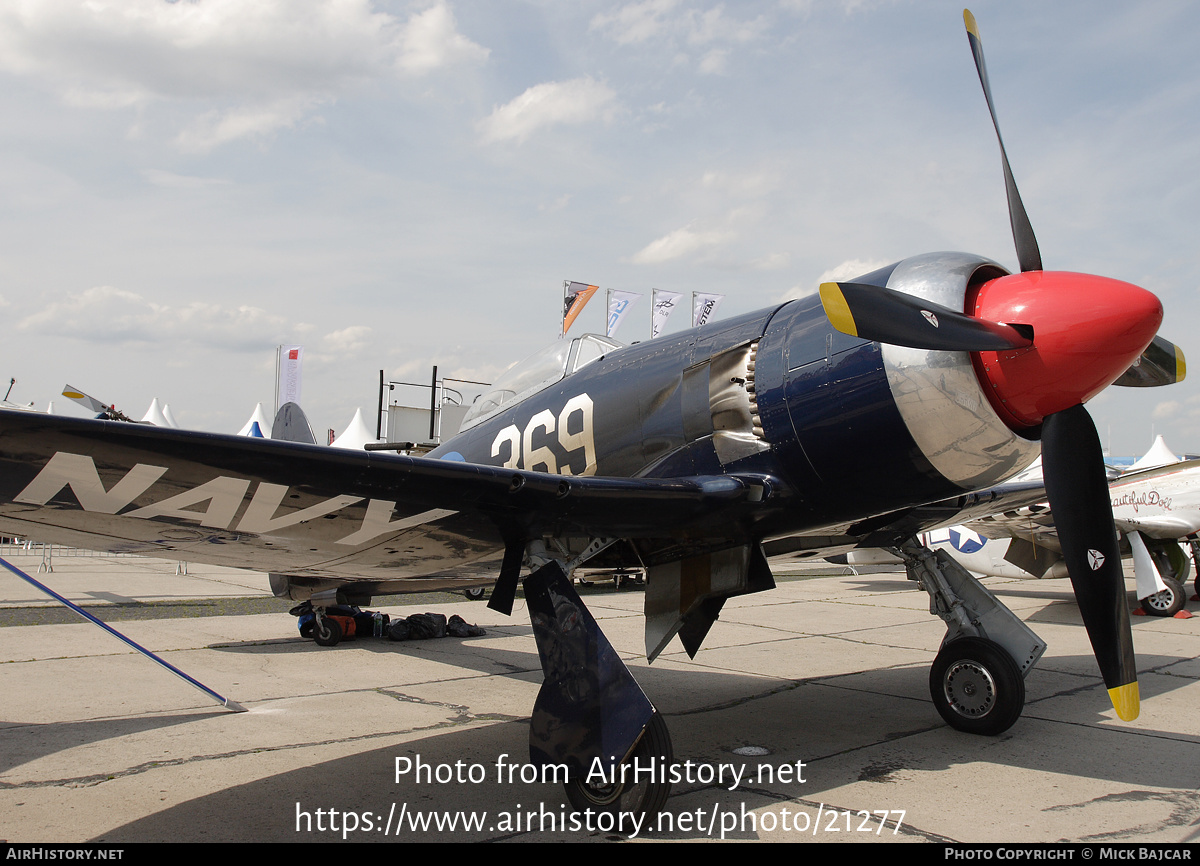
{"points": [[828, 671]]}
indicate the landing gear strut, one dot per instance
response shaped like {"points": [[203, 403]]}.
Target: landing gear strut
{"points": [[590, 714], [977, 679]]}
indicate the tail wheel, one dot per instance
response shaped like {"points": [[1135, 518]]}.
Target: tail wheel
{"points": [[1166, 603], [976, 686], [641, 797], [327, 631]]}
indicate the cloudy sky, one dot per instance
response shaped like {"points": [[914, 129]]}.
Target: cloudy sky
{"points": [[185, 185]]}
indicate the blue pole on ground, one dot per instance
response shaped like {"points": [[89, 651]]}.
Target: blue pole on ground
{"points": [[225, 702]]}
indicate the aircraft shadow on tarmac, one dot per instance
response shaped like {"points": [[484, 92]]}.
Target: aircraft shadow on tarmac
{"points": [[847, 729]]}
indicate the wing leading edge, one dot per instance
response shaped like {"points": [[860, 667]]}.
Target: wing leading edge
{"points": [[307, 510]]}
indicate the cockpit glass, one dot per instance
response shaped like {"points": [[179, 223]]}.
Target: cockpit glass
{"points": [[539, 371]]}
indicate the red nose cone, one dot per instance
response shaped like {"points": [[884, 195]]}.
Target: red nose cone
{"points": [[1087, 331]]}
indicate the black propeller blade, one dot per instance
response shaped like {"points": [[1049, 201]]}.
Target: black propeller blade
{"points": [[1077, 489], [1161, 364], [888, 316], [1028, 254], [1076, 484]]}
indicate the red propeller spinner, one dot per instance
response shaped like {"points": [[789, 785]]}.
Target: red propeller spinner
{"points": [[1087, 331]]}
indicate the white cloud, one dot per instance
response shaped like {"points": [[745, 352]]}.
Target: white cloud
{"points": [[714, 62], [431, 40], [170, 180], [847, 270], [557, 204], [679, 243], [349, 339], [714, 26], [669, 22], [214, 128], [580, 100], [275, 60], [636, 22], [1167, 409], [105, 314], [771, 262]]}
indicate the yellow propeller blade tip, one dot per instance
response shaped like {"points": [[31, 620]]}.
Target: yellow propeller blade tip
{"points": [[972, 27], [836, 308], [1180, 365], [1126, 701]]}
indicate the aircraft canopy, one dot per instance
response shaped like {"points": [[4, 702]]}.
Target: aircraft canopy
{"points": [[540, 370]]}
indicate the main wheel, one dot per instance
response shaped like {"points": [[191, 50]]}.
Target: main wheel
{"points": [[641, 797], [327, 631], [475, 593], [976, 686], [1166, 603]]}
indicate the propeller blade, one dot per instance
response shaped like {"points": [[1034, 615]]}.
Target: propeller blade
{"points": [[1161, 364], [888, 316], [94, 405], [1028, 254], [1077, 489], [89, 403]]}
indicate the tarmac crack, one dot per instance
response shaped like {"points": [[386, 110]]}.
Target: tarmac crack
{"points": [[1185, 806], [463, 714]]}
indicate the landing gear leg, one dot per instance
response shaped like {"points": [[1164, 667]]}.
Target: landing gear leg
{"points": [[590, 714], [1196, 562], [977, 679]]}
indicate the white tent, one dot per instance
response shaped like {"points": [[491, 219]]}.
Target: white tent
{"points": [[356, 435], [1158, 455], [154, 415], [170, 418], [259, 417]]}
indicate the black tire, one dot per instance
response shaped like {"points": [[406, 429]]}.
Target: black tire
{"points": [[1166, 603], [475, 593], [977, 687], [328, 632], [643, 798]]}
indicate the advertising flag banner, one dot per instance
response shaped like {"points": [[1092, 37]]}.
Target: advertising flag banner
{"points": [[575, 297], [287, 386], [619, 303], [704, 305], [664, 305]]}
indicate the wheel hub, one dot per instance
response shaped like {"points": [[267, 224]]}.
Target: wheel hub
{"points": [[1160, 600], [970, 689]]}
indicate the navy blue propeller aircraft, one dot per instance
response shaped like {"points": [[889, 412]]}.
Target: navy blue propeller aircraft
{"points": [[861, 415]]}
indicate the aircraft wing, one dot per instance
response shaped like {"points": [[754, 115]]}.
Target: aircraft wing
{"points": [[1162, 502], [312, 511], [1033, 523], [889, 530]]}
